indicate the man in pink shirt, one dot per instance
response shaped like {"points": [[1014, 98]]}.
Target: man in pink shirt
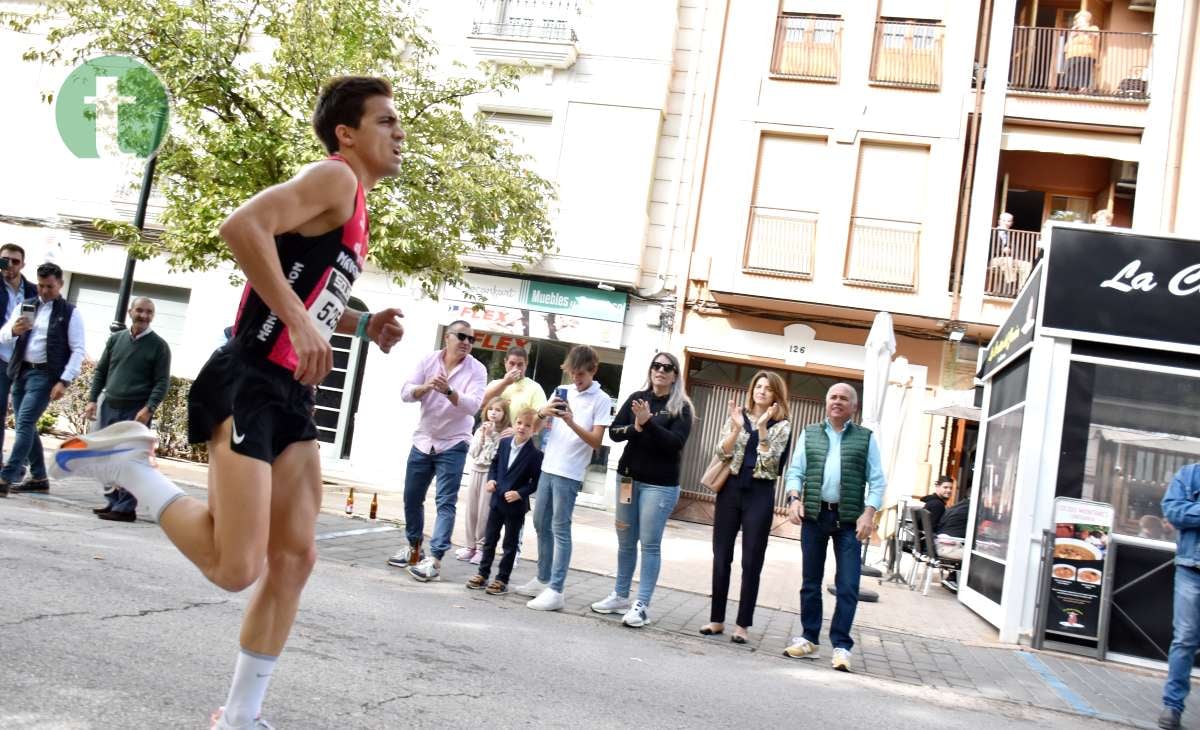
{"points": [[448, 383]]}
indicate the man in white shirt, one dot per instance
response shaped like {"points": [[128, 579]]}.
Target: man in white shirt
{"points": [[48, 350], [577, 429]]}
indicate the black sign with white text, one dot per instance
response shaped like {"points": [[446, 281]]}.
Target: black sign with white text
{"points": [[1114, 285], [1017, 330]]}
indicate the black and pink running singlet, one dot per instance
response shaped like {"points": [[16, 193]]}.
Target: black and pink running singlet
{"points": [[321, 270]]}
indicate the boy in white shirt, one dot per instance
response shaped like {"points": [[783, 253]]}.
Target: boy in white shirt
{"points": [[578, 430]]}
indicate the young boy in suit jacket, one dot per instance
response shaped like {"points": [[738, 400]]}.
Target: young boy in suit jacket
{"points": [[512, 477]]}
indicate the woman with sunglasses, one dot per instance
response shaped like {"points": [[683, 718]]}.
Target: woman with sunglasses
{"points": [[655, 423], [755, 441]]}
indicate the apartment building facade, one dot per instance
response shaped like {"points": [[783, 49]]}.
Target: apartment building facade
{"points": [[828, 193]]}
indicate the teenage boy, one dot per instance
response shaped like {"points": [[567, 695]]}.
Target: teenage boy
{"points": [[576, 431], [512, 477]]}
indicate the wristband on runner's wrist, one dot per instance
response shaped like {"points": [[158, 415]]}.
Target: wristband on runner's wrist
{"points": [[363, 321]]}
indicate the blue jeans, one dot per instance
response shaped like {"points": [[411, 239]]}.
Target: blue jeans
{"points": [[447, 467], [30, 396], [552, 517], [119, 499], [814, 541], [642, 520], [1186, 638]]}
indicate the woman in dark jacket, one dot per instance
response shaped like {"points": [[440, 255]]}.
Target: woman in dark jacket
{"points": [[655, 423], [755, 442]]}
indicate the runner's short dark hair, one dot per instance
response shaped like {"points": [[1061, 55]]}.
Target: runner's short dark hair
{"points": [[517, 351], [341, 102]]}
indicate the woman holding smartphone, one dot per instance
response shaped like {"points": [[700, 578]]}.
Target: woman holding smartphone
{"points": [[755, 441], [655, 423]]}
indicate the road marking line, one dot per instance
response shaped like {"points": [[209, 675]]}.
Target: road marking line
{"points": [[1060, 687], [360, 531]]}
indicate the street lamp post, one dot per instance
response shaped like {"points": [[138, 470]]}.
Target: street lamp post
{"points": [[139, 222]]}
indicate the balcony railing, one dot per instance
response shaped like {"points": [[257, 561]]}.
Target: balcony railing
{"points": [[807, 47], [782, 242], [883, 253], [1010, 259], [1103, 63], [537, 31], [907, 54]]}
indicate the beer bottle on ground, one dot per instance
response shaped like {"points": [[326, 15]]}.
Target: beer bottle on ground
{"points": [[374, 505], [350, 502]]}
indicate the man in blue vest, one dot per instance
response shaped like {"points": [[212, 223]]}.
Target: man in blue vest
{"points": [[46, 332], [16, 290], [835, 485]]}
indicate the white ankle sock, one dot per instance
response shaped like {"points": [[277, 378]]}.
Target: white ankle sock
{"points": [[153, 490], [250, 679]]}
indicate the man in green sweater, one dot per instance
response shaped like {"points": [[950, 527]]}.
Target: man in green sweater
{"points": [[133, 373]]}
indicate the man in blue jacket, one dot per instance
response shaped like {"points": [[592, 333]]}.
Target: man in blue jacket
{"points": [[16, 290], [1181, 507]]}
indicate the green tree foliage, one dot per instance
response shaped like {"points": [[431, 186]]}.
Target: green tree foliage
{"points": [[244, 76]]}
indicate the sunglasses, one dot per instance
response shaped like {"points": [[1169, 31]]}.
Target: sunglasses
{"points": [[662, 367], [464, 337], [11, 261]]}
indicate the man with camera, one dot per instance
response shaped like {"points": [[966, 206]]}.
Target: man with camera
{"points": [[46, 336], [16, 290]]}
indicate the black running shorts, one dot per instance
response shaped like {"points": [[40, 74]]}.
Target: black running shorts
{"points": [[271, 410]]}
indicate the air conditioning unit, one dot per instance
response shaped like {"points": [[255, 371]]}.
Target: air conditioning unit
{"points": [[1143, 6], [1125, 172]]}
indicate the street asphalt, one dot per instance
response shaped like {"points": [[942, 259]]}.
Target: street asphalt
{"points": [[106, 625]]}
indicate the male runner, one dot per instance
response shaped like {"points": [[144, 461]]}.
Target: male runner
{"points": [[301, 244]]}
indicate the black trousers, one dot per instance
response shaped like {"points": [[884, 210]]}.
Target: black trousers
{"points": [[749, 510], [511, 523]]}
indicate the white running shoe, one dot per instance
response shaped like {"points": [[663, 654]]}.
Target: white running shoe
{"points": [[841, 660], [101, 454], [426, 570], [612, 604], [636, 617], [465, 553], [219, 723], [533, 588], [548, 600]]}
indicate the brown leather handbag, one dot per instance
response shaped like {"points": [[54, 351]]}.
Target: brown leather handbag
{"points": [[715, 475]]}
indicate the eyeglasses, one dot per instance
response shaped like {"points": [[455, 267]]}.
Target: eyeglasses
{"points": [[662, 367], [464, 337]]}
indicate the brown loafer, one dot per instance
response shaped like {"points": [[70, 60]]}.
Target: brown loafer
{"points": [[476, 582], [496, 588]]}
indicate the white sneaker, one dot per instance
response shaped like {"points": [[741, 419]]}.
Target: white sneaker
{"points": [[101, 454], [533, 588], [841, 660], [612, 604], [219, 723], [636, 617], [465, 553], [548, 600], [426, 570], [802, 648]]}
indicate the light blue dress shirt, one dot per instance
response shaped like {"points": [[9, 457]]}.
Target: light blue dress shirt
{"points": [[831, 487]]}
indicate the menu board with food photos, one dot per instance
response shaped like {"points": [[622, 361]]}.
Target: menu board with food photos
{"points": [[1081, 534]]}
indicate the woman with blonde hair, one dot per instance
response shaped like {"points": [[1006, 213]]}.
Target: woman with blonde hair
{"points": [[1081, 50], [754, 439]]}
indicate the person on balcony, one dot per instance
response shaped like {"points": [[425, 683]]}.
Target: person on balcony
{"points": [[1083, 44]]}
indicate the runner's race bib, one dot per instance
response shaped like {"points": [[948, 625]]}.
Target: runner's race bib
{"points": [[328, 306]]}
